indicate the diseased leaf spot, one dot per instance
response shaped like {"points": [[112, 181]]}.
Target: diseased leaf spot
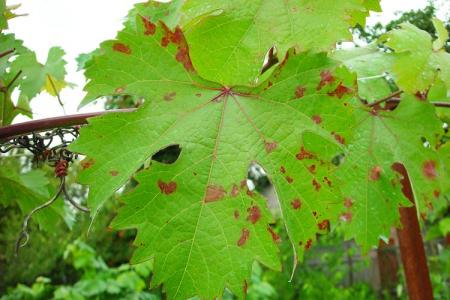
{"points": [[119, 90], [245, 287], [340, 91], [317, 119], [234, 191], [244, 237], [300, 92], [312, 169], [346, 217], [282, 169], [150, 28], [316, 185], [198, 95], [120, 47], [436, 193], [236, 214], [87, 163], [325, 78], [167, 188], [327, 181], [289, 179], [275, 237], [308, 244], [270, 147], [314, 214], [339, 138], [304, 154], [348, 202], [114, 173], [183, 57], [375, 173], [214, 193], [323, 225], [296, 204], [254, 214], [429, 169], [170, 96]]}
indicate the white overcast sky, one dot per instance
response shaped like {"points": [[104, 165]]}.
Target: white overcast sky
{"points": [[78, 26]]}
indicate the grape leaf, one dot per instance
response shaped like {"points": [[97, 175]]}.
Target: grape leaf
{"points": [[368, 182], [414, 45], [253, 29], [196, 217]]}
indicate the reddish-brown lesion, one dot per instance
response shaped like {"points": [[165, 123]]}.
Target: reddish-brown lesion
{"points": [[121, 47], [254, 214], [214, 193], [177, 38], [167, 188], [245, 234]]}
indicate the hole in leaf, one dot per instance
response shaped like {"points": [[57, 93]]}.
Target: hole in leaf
{"points": [[338, 159], [168, 155], [258, 181], [270, 59]]}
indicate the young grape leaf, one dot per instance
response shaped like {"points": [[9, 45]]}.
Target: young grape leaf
{"points": [[414, 45], [196, 217], [36, 77], [251, 30]]}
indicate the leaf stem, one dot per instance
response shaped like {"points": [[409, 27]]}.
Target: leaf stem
{"points": [[4, 53], [387, 98]]}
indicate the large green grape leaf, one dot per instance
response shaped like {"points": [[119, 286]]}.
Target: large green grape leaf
{"points": [[416, 64], [251, 30], [196, 217], [28, 190]]}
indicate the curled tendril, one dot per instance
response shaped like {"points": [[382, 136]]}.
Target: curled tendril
{"points": [[20, 242], [24, 236]]}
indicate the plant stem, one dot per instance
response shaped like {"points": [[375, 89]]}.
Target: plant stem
{"points": [[387, 98]]}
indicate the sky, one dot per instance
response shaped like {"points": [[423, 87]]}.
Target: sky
{"points": [[79, 26]]}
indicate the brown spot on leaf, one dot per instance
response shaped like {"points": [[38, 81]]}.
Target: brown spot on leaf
{"points": [[150, 28], [114, 173], [120, 47], [348, 202], [346, 217], [282, 169], [183, 57], [314, 214], [300, 92], [325, 78], [270, 147], [214, 193], [375, 173], [323, 225], [312, 169], [87, 163], [296, 204], [198, 95], [429, 169], [327, 181], [254, 214], [169, 96], [308, 244], [340, 91], [244, 237], [275, 237], [236, 214], [317, 119], [234, 191], [167, 187], [176, 37], [304, 154], [436, 193], [316, 185], [243, 183], [339, 138], [119, 90], [289, 179]]}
